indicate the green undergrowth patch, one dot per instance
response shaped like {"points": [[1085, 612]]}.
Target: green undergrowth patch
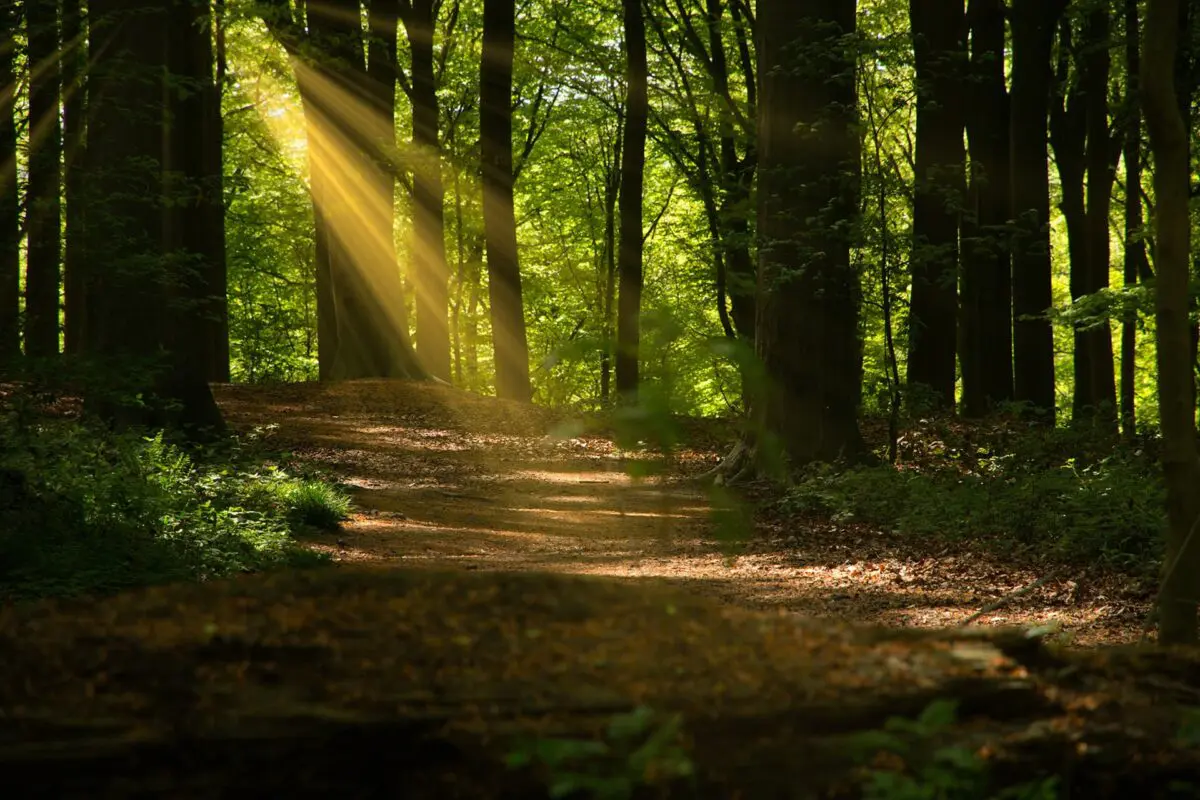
{"points": [[1057, 493], [85, 510]]}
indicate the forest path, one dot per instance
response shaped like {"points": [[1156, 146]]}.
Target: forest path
{"points": [[445, 479]]}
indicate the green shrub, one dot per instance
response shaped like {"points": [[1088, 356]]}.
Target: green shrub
{"points": [[85, 510], [1109, 510]]}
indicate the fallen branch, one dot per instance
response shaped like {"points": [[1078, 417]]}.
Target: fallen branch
{"points": [[1013, 595]]}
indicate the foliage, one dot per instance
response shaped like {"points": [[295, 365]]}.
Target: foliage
{"points": [[1027, 492], [930, 770], [640, 748], [85, 510]]}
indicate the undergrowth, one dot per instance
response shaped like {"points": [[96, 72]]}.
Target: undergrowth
{"points": [[1057, 493], [84, 510]]}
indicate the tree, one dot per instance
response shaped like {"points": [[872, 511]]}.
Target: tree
{"points": [[143, 323], [1033, 25], [633, 164], [74, 63], [495, 129], [10, 233], [987, 355], [939, 44], [808, 337], [428, 248], [44, 256], [1137, 266], [1179, 595], [363, 330]]}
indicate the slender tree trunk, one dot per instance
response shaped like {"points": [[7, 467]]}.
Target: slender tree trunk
{"points": [[43, 263], [74, 59], [808, 334], [216, 316], [987, 357], [10, 234], [1101, 170], [939, 43], [612, 189], [1136, 264], [633, 164], [471, 334], [1180, 591], [500, 224], [1033, 24], [428, 249], [1068, 136]]}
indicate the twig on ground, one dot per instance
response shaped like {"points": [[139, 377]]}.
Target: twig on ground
{"points": [[1013, 595]]}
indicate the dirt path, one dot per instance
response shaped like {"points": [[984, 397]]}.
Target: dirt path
{"points": [[446, 479]]}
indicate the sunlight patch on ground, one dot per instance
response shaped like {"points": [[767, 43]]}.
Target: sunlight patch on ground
{"points": [[547, 476]]}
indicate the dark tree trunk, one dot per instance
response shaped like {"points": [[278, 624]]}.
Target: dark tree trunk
{"points": [[138, 280], [987, 357], [44, 222], [939, 44], [1033, 24], [808, 334], [633, 162], [428, 251], [1177, 603], [10, 233], [1137, 267], [500, 224], [1068, 136], [216, 281], [74, 60], [1101, 169]]}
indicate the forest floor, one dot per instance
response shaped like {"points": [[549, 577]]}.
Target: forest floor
{"points": [[443, 479]]}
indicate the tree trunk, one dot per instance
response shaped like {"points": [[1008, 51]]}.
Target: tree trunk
{"points": [[44, 255], [633, 163], [987, 357], [74, 59], [1033, 24], [1136, 264], [134, 247], [939, 45], [428, 250], [808, 332], [1101, 170], [10, 233], [216, 316], [1068, 137], [500, 224], [1168, 142], [612, 190]]}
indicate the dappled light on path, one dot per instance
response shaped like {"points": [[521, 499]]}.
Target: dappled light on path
{"points": [[446, 479]]}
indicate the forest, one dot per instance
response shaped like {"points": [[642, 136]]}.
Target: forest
{"points": [[600, 398]]}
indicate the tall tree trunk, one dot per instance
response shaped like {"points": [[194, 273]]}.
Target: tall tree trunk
{"points": [[1180, 591], [130, 267], [428, 250], [1101, 169], [1033, 24], [1068, 136], [74, 59], [612, 189], [1137, 267], [939, 44], [350, 143], [633, 164], [44, 256], [10, 233], [987, 357], [500, 223], [808, 334], [216, 280]]}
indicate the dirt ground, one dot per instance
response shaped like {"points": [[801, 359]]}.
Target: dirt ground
{"points": [[444, 479]]}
